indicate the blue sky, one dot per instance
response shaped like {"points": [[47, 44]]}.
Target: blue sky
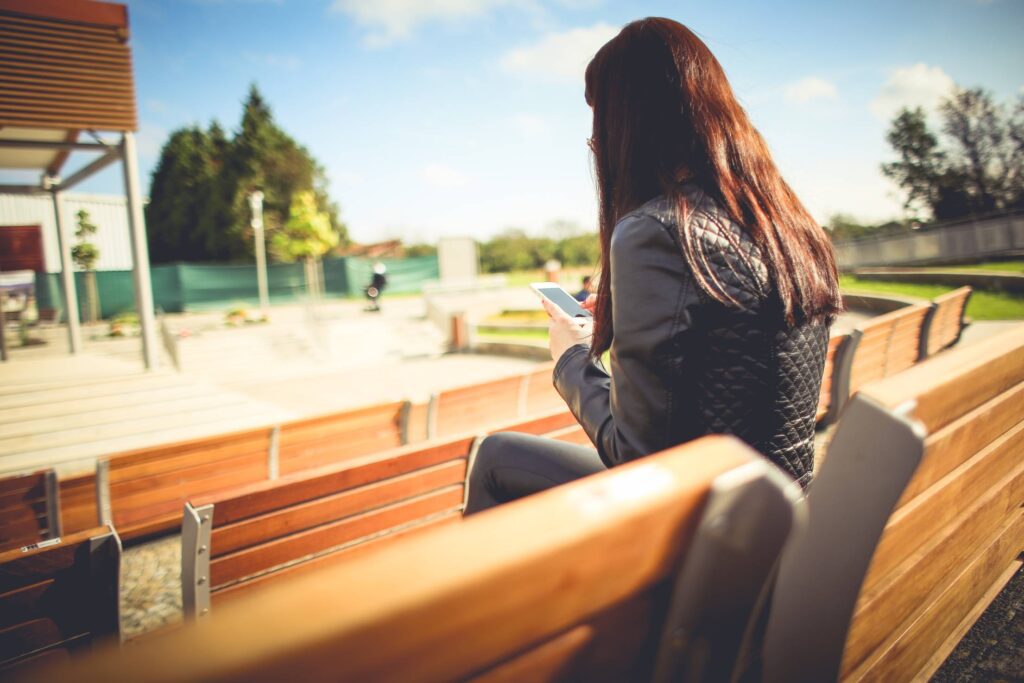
{"points": [[464, 117]]}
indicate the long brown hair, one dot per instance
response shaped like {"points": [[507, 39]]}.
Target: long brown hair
{"points": [[664, 113]]}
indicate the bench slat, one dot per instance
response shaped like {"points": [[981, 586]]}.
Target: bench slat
{"points": [[926, 571], [237, 565], [922, 518], [266, 527], [906, 652]]}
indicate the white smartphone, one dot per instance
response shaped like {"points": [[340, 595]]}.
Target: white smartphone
{"points": [[561, 298]]}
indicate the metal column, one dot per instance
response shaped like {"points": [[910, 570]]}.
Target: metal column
{"points": [[67, 274], [140, 252]]}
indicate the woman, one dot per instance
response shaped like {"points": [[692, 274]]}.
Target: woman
{"points": [[717, 287]]}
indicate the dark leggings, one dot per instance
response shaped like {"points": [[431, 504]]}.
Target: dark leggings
{"points": [[510, 465]]}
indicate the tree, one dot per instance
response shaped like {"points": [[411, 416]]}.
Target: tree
{"points": [[976, 167], [198, 209], [85, 254], [307, 235]]}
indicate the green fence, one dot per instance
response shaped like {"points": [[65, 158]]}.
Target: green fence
{"points": [[194, 286]]}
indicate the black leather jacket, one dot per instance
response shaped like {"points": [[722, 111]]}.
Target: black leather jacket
{"points": [[683, 364]]}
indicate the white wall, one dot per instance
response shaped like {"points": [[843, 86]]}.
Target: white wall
{"points": [[107, 212]]}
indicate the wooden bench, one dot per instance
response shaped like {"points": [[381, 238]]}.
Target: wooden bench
{"points": [[558, 586], [916, 522], [57, 597], [233, 543], [829, 401], [142, 492], [29, 509], [946, 322], [878, 348], [328, 439]]}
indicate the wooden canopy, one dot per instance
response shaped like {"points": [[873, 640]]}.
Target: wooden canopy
{"points": [[65, 67]]}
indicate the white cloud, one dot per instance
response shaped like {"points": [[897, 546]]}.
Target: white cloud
{"points": [[559, 56], [389, 21], [919, 85], [443, 177], [150, 140], [810, 89]]}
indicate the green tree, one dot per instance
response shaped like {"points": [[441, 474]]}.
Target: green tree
{"points": [[198, 208], [306, 235], [976, 166], [85, 254]]}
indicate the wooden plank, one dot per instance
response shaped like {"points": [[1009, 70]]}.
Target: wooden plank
{"points": [[953, 383], [544, 662], [78, 503], [52, 11], [574, 435], [452, 621], [272, 495], [919, 520], [955, 443], [19, 569], [345, 553], [539, 426], [32, 485], [234, 566], [25, 637], [39, 21], [943, 651], [285, 521], [219, 445], [912, 644], [926, 571], [23, 604], [168, 477]]}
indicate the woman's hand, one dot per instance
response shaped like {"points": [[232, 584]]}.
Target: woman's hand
{"points": [[590, 304], [565, 331]]}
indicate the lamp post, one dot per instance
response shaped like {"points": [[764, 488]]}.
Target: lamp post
{"points": [[256, 204]]}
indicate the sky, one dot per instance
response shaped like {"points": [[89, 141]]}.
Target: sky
{"points": [[466, 117]]}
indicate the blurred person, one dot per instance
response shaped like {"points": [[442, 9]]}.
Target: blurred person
{"points": [[717, 287], [584, 293], [374, 290]]}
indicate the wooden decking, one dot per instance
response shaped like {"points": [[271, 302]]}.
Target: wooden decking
{"points": [[63, 412]]}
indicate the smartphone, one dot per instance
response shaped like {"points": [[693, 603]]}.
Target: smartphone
{"points": [[561, 298]]}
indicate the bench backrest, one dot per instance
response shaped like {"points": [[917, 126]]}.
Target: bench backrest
{"points": [[471, 408], [928, 462], [79, 506], [558, 585], [946, 321], [235, 542], [329, 439], [29, 509], [58, 596], [540, 391], [142, 492], [828, 400], [887, 344]]}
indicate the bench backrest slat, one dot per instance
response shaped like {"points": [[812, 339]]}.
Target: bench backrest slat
{"points": [[78, 504], [329, 439], [475, 407], [947, 320], [888, 344], [459, 600], [541, 395]]}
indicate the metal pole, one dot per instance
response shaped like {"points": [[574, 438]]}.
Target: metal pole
{"points": [[256, 204], [140, 252], [67, 275]]}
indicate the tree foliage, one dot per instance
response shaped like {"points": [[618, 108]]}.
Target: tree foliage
{"points": [[198, 209], [307, 234], [514, 249], [976, 166]]}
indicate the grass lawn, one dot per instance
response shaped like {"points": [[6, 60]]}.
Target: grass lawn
{"points": [[981, 306], [492, 333]]}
